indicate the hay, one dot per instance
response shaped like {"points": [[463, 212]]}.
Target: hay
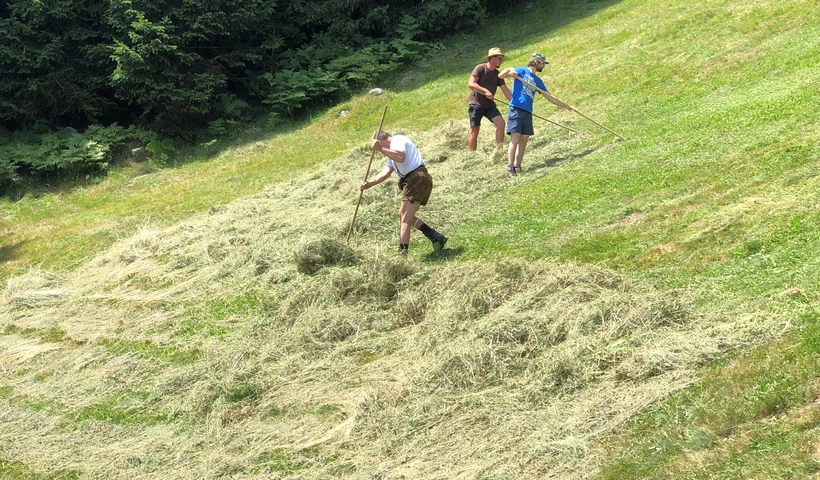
{"points": [[346, 360], [316, 254], [38, 298], [36, 288]]}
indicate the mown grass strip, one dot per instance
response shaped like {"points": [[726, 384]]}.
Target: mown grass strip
{"points": [[50, 335], [32, 404], [208, 319], [114, 410], [21, 471], [152, 351], [289, 462]]}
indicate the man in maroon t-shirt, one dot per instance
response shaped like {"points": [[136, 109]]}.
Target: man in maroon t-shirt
{"points": [[483, 83]]}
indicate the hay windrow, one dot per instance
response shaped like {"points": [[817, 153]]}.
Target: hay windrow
{"points": [[254, 341], [315, 255]]}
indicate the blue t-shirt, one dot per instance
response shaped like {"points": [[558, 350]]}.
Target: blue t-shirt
{"points": [[522, 95]]}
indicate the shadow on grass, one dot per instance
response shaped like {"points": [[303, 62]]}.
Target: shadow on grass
{"points": [[10, 252], [555, 161], [444, 254]]}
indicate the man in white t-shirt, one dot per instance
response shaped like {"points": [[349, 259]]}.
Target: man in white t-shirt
{"points": [[416, 185]]}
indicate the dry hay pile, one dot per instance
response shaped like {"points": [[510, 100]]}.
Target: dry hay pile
{"points": [[252, 342]]}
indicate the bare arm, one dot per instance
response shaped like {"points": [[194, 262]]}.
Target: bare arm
{"points": [[473, 84], [382, 176], [507, 73], [507, 92], [550, 98], [394, 155], [558, 103]]}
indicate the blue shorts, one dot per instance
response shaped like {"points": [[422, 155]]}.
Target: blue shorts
{"points": [[519, 121]]}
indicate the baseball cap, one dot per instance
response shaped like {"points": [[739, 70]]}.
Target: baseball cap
{"points": [[539, 56]]}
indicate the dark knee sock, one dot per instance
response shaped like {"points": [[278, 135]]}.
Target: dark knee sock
{"points": [[428, 232]]}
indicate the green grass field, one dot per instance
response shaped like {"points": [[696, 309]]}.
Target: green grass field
{"points": [[643, 308]]}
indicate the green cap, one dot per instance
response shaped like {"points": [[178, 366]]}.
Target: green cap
{"points": [[539, 56]]}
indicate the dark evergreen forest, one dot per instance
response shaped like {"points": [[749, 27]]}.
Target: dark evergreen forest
{"points": [[167, 65]]}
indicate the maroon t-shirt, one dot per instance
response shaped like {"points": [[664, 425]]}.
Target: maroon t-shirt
{"points": [[488, 79]]}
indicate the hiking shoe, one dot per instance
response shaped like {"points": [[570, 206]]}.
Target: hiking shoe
{"points": [[439, 242], [510, 170], [518, 170]]}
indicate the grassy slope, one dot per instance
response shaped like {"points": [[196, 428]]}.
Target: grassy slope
{"points": [[724, 129], [715, 191]]}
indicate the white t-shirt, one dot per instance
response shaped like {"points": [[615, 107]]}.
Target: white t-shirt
{"points": [[412, 157]]}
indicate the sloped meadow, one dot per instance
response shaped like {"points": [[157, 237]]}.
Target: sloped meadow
{"points": [[254, 342]]}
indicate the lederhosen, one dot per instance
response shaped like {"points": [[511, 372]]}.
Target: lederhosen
{"points": [[416, 185]]}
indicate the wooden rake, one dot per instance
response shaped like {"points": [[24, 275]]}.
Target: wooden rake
{"points": [[366, 174]]}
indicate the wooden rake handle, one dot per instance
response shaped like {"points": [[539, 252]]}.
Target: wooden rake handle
{"points": [[366, 174], [576, 110], [546, 120]]}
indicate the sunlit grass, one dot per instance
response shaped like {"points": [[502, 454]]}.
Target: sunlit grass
{"points": [[754, 416]]}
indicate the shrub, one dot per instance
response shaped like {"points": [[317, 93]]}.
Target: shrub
{"points": [[64, 154]]}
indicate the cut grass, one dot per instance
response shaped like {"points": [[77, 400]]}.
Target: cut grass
{"points": [[753, 416], [21, 471], [150, 350], [213, 318], [116, 410]]}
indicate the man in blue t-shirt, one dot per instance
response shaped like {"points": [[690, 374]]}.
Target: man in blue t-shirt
{"points": [[519, 116]]}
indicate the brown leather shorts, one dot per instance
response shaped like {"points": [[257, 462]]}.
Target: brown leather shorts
{"points": [[417, 186]]}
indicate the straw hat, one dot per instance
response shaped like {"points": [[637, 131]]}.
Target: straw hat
{"points": [[494, 52]]}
